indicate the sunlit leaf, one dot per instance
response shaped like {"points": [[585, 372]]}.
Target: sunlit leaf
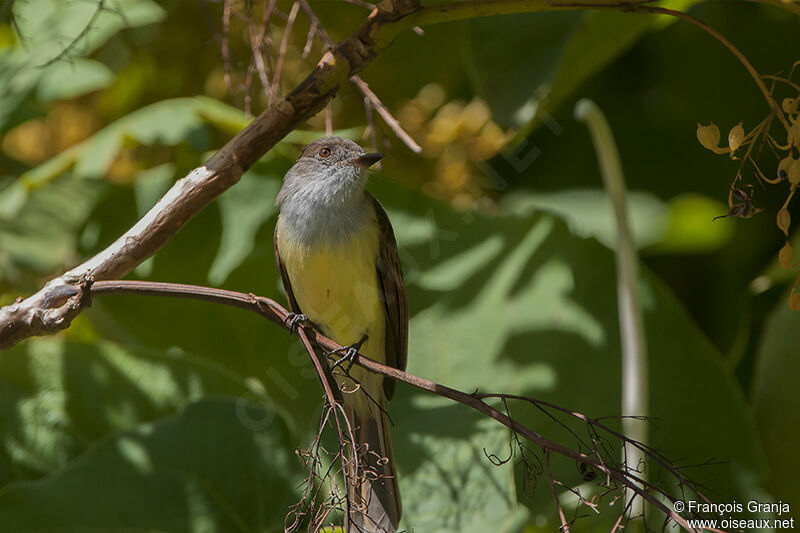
{"points": [[218, 465]]}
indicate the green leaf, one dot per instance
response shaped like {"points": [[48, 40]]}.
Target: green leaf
{"points": [[42, 235], [446, 480], [43, 210], [68, 80], [47, 28], [244, 210], [531, 309], [682, 225], [219, 465], [776, 402], [562, 51], [588, 213], [59, 397]]}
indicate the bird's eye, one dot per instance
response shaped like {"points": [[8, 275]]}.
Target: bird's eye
{"points": [[325, 152]]}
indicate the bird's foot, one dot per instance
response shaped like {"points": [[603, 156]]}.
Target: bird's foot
{"points": [[350, 354], [293, 320]]}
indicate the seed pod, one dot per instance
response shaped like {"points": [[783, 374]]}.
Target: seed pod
{"points": [[785, 256], [783, 167], [789, 105], [736, 137], [794, 301], [794, 172], [708, 136], [784, 220]]}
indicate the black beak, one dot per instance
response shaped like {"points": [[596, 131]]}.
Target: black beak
{"points": [[366, 160]]}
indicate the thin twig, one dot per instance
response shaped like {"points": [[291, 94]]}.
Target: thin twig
{"points": [[757, 78], [564, 524], [287, 33], [101, 6], [329, 119], [257, 41], [370, 132], [386, 115], [782, 80], [362, 86], [51, 309], [312, 31], [278, 315], [226, 46], [594, 424]]}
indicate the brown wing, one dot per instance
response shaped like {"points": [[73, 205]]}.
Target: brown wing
{"points": [[287, 284], [393, 289]]}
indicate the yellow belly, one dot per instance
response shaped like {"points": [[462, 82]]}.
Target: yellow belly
{"points": [[336, 286]]}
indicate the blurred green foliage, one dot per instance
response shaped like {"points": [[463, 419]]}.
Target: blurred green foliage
{"points": [[167, 415]]}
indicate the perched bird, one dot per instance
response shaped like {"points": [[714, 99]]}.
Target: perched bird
{"points": [[337, 256]]}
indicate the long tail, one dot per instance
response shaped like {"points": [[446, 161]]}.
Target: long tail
{"points": [[372, 491]]}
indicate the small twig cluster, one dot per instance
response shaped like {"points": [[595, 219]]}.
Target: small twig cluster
{"points": [[269, 58], [747, 148], [601, 484], [324, 500], [596, 449]]}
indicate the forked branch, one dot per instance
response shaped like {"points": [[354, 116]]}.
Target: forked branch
{"points": [[616, 475]]}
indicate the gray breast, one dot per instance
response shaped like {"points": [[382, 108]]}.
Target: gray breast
{"points": [[314, 223]]}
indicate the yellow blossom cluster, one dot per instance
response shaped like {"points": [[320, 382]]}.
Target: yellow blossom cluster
{"points": [[741, 146], [36, 140], [456, 134]]}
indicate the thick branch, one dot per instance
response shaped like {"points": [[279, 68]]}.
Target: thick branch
{"points": [[277, 314], [49, 310]]}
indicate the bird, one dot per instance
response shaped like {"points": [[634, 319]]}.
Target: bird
{"points": [[337, 255]]}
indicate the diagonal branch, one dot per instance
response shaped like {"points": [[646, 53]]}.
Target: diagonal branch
{"points": [[51, 309], [274, 312], [370, 98]]}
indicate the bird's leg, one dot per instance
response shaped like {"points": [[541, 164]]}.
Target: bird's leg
{"points": [[295, 319], [350, 353]]}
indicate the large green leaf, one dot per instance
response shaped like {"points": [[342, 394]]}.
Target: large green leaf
{"points": [[218, 465], [513, 304], [776, 402], [244, 209], [589, 213], [562, 50], [54, 37], [76, 78], [59, 397], [241, 341], [519, 305], [43, 210], [446, 481], [680, 225], [43, 233]]}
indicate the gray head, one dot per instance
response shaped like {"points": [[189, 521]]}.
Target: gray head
{"points": [[331, 172]]}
